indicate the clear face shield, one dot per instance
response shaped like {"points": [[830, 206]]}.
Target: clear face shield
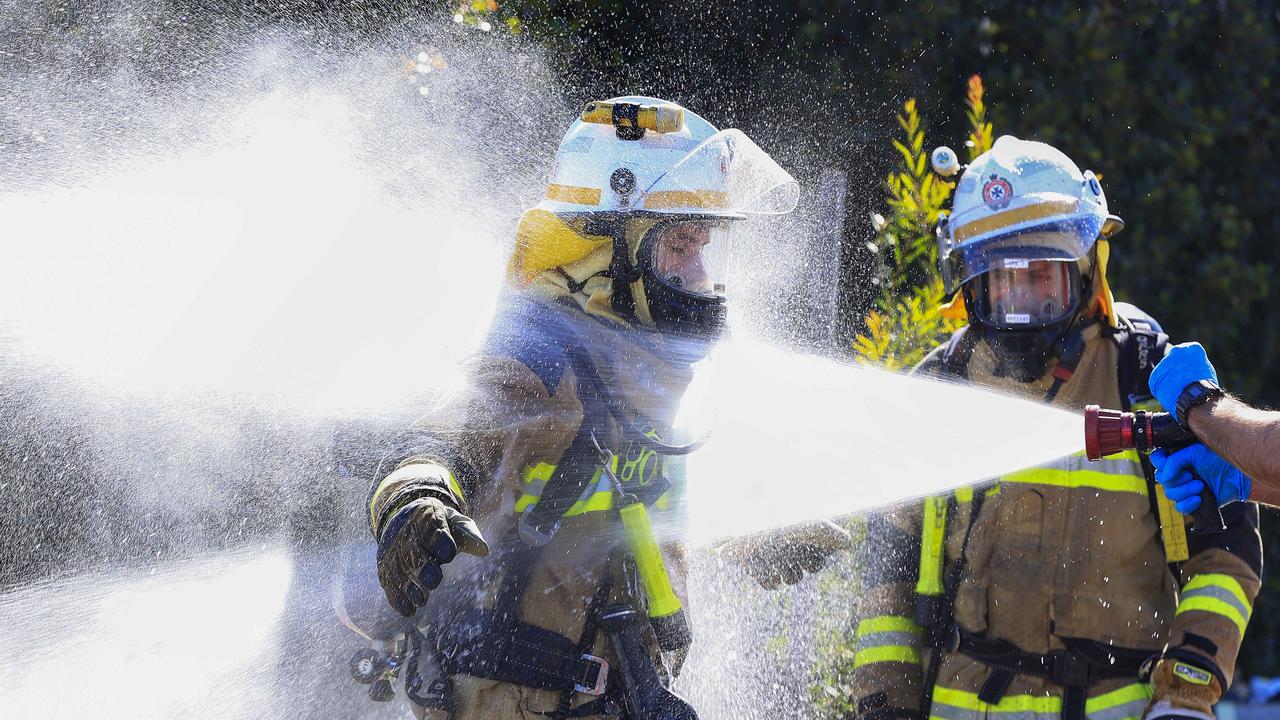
{"points": [[1027, 294], [692, 256], [962, 259], [703, 199]]}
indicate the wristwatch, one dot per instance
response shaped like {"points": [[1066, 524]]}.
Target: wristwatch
{"points": [[1195, 395]]}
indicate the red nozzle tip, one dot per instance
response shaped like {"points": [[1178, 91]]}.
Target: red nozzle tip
{"points": [[1106, 432], [1091, 432]]}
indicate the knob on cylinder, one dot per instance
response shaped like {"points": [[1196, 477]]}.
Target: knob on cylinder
{"points": [[1106, 432], [944, 161]]}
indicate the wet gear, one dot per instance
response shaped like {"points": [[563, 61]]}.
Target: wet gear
{"points": [[557, 440], [419, 529], [785, 555], [518, 437], [1069, 557], [624, 172]]}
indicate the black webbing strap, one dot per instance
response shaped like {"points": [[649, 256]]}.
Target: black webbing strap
{"points": [[1075, 669], [574, 472], [531, 656], [590, 628]]}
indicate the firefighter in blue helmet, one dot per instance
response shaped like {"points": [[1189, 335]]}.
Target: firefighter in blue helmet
{"points": [[1070, 590]]}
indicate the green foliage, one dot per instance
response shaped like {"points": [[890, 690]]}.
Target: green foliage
{"points": [[916, 197], [907, 320], [980, 136], [900, 337]]}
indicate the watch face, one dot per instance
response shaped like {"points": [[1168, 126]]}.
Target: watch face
{"points": [[1194, 395]]}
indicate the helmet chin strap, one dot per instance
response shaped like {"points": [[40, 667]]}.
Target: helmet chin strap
{"points": [[621, 270]]}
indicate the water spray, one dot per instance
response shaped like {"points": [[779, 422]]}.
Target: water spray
{"points": [[1107, 432]]}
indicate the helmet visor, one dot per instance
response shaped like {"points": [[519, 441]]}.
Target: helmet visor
{"points": [[691, 256], [1069, 239], [1027, 293], [727, 175]]}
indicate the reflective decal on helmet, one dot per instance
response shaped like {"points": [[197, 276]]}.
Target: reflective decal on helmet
{"points": [[997, 192]]}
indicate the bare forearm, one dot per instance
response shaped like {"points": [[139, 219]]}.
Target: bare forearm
{"points": [[1247, 438]]}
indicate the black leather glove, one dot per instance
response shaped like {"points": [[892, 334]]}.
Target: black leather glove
{"points": [[415, 542]]}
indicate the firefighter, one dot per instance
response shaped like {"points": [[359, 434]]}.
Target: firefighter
{"points": [[524, 506], [1073, 589]]}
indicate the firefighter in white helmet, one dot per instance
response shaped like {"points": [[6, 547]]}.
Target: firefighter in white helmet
{"points": [[555, 449], [1070, 590]]}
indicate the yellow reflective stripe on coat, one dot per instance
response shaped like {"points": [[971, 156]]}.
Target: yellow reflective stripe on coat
{"points": [[1218, 594], [887, 638], [1124, 703], [1173, 529], [932, 539], [1119, 473], [886, 654], [597, 497], [377, 493]]}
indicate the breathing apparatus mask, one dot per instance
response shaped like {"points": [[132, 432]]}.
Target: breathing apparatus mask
{"points": [[1024, 291], [1024, 310], [684, 264]]}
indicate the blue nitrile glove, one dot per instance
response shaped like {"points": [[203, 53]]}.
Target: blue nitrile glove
{"points": [[1185, 472], [1185, 364]]}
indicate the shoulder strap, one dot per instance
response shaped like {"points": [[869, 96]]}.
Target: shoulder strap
{"points": [[1142, 343]]}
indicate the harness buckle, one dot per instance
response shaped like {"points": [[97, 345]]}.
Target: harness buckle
{"points": [[592, 685], [530, 533], [1071, 669]]}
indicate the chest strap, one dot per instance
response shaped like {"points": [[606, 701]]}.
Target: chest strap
{"points": [[482, 645], [1082, 664]]}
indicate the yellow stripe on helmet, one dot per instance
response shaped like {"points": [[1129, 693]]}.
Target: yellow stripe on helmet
{"points": [[574, 194], [1009, 218], [701, 199]]}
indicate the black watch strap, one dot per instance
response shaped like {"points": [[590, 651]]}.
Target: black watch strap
{"points": [[1195, 395]]}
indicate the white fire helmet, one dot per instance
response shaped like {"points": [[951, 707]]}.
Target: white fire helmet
{"points": [[689, 169], [1021, 202], [641, 164]]}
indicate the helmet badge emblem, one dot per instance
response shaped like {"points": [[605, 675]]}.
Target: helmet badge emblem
{"points": [[997, 192], [623, 182]]}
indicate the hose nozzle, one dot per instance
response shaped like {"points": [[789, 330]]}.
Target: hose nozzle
{"points": [[1107, 432]]}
